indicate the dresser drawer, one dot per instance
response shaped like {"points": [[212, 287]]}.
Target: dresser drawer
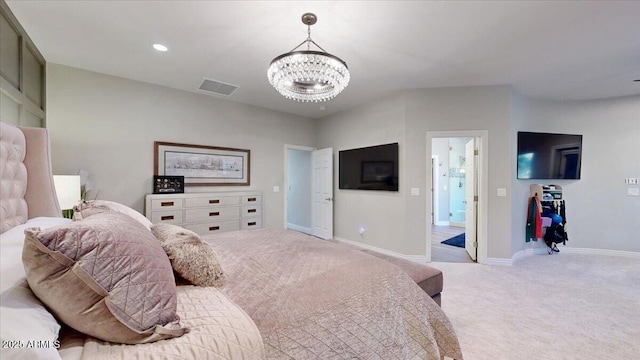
{"points": [[214, 227], [169, 217], [251, 211], [166, 204], [251, 199], [212, 201], [248, 224], [212, 214]]}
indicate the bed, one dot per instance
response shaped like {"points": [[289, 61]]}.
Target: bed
{"points": [[286, 295]]}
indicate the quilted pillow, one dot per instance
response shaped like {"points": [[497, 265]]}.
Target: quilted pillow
{"points": [[191, 258], [87, 208], [105, 276]]}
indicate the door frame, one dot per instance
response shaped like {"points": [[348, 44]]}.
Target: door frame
{"points": [[286, 175], [435, 183], [483, 182]]}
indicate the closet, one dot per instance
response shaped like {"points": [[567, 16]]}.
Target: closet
{"points": [[547, 216]]}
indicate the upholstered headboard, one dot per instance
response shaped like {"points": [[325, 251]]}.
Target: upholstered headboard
{"points": [[26, 179]]}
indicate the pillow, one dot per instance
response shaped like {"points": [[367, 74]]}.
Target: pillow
{"points": [[23, 316], [87, 208], [105, 276], [25, 323], [191, 258], [15, 235]]}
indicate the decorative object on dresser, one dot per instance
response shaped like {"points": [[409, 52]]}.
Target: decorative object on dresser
{"points": [[163, 184], [207, 213], [202, 165]]}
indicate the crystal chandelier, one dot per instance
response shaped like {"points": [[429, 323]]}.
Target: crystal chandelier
{"points": [[307, 75]]}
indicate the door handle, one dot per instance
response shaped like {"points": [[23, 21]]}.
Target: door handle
{"points": [[328, 199]]}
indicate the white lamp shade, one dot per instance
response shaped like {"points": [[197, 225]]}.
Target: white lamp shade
{"points": [[68, 190]]}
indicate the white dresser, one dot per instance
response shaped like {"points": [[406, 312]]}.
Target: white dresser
{"points": [[207, 213]]}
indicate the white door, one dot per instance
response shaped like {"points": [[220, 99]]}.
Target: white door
{"points": [[322, 188], [471, 199]]}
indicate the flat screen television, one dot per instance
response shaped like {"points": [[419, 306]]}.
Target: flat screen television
{"points": [[549, 156], [369, 168]]}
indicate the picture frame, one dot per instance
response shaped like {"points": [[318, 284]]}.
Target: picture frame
{"points": [[203, 165]]}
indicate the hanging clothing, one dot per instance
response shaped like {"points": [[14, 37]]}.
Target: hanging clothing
{"points": [[534, 220], [556, 233]]}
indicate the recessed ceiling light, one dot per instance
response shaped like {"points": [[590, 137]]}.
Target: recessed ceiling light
{"points": [[160, 47]]}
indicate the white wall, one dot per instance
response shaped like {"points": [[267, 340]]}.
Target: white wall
{"points": [[107, 125], [600, 215], [299, 188]]}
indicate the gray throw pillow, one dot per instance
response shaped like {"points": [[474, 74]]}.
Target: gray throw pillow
{"points": [[191, 258]]}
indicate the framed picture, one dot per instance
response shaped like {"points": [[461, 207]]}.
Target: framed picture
{"points": [[202, 165]]}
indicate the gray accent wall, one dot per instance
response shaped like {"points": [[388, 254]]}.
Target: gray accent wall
{"points": [[107, 125], [397, 221], [600, 214], [380, 213]]}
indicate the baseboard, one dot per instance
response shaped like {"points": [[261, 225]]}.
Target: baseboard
{"points": [[422, 259], [570, 250], [498, 262], [621, 253], [302, 229], [415, 258]]}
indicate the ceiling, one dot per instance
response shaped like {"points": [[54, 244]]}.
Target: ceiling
{"points": [[544, 49]]}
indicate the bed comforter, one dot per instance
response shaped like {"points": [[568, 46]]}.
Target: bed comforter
{"points": [[219, 329], [312, 299]]}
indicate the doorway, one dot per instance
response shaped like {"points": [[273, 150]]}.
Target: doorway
{"points": [[308, 180], [457, 206], [298, 188]]}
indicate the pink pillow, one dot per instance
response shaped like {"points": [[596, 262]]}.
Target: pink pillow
{"points": [[87, 208], [106, 276]]}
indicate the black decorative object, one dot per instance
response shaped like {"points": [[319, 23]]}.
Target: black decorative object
{"points": [[168, 184]]}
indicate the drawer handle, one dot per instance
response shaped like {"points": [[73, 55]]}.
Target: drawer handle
{"points": [[252, 210], [216, 201], [214, 228], [168, 217], [166, 203], [251, 223], [251, 199], [214, 213]]}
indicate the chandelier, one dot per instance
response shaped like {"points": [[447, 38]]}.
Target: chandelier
{"points": [[308, 75]]}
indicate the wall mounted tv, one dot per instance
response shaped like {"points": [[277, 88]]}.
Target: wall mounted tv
{"points": [[549, 156], [369, 168]]}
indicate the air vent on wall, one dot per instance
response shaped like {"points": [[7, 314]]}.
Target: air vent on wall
{"points": [[217, 87]]}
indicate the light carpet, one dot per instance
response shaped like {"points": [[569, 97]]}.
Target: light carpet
{"points": [[561, 306]]}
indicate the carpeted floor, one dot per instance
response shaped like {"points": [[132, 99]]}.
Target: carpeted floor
{"points": [[562, 306]]}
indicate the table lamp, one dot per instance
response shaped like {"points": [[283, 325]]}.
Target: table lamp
{"points": [[68, 192]]}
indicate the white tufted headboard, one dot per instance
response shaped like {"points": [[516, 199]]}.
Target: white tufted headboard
{"points": [[26, 179]]}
